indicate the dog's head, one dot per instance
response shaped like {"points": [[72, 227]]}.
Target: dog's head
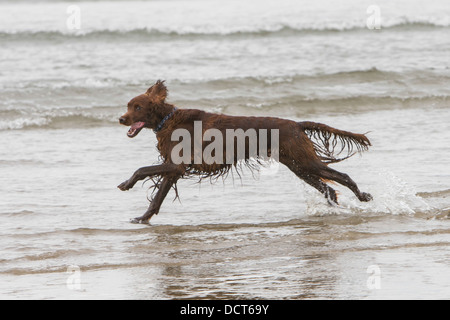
{"points": [[145, 110]]}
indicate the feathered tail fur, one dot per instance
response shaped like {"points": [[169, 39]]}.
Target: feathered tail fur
{"points": [[330, 142]]}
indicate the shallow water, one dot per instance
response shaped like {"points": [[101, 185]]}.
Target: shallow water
{"points": [[65, 231], [240, 238]]}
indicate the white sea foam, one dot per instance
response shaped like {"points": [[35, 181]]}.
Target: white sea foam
{"points": [[200, 17]]}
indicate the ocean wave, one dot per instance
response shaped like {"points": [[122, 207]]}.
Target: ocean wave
{"points": [[59, 119], [357, 74], [301, 107], [290, 105], [95, 83], [257, 31], [434, 194]]}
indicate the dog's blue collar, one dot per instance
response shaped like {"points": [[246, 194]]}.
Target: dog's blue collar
{"points": [[161, 124]]}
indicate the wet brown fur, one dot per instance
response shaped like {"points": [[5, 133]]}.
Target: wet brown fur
{"points": [[306, 148]]}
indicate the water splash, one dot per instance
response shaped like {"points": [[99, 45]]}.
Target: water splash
{"points": [[391, 195]]}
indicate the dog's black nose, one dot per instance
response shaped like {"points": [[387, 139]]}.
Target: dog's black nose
{"points": [[122, 120]]}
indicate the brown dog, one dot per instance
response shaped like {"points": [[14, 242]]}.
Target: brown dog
{"points": [[306, 148]]}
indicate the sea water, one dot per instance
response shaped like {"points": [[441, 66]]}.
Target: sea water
{"points": [[67, 71]]}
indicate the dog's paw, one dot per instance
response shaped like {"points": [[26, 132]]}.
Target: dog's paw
{"points": [[139, 220], [124, 186], [365, 197]]}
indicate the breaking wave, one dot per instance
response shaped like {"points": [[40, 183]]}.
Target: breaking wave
{"points": [[213, 33], [290, 105]]}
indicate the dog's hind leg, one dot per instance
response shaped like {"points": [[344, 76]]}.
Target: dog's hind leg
{"points": [[155, 205], [342, 178], [314, 181], [326, 190]]}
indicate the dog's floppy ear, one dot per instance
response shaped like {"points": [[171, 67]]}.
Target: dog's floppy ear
{"points": [[157, 92]]}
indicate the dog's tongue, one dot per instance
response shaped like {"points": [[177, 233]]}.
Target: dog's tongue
{"points": [[135, 128], [137, 125]]}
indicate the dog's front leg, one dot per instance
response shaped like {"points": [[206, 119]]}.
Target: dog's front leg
{"points": [[145, 172], [164, 188]]}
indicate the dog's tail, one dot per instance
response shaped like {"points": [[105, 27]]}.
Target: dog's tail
{"points": [[330, 142]]}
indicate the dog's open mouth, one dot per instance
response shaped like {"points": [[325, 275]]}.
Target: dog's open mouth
{"points": [[135, 129]]}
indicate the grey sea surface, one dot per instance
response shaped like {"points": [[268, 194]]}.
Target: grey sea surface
{"points": [[64, 226]]}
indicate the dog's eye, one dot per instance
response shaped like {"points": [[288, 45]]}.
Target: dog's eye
{"points": [[138, 108]]}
